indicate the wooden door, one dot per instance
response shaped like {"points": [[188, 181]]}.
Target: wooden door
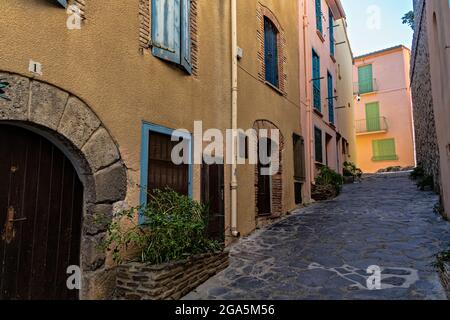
{"points": [[264, 198], [213, 196], [41, 201]]}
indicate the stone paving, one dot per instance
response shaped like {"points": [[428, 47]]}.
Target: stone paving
{"points": [[323, 251]]}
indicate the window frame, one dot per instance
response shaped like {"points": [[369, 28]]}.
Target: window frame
{"points": [[316, 86], [381, 156], [276, 60], [319, 23], [330, 86], [147, 129]]}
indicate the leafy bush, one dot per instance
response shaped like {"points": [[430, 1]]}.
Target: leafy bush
{"points": [[425, 183], [328, 184], [174, 228], [350, 170], [442, 258], [418, 172]]}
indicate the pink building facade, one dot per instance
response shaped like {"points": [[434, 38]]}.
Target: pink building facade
{"points": [[383, 110]]}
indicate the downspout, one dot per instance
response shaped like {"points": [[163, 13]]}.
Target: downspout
{"points": [[234, 123], [309, 127]]}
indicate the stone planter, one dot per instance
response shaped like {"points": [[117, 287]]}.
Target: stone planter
{"points": [[168, 281], [445, 277]]}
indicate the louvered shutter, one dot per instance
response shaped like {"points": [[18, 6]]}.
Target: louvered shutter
{"points": [[166, 30], [186, 59]]}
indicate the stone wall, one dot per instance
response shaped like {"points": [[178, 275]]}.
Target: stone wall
{"points": [[169, 281], [424, 119]]}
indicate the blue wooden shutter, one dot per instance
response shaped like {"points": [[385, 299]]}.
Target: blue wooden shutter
{"points": [[186, 59], [330, 99], [319, 16], [63, 3], [271, 52], [331, 26], [316, 82], [166, 30]]}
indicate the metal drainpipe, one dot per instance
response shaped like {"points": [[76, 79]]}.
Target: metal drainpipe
{"points": [[234, 123]]}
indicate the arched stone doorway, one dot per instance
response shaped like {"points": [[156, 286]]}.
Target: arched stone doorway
{"points": [[272, 186], [71, 126]]}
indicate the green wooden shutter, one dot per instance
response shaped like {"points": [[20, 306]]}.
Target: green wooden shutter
{"points": [[365, 79], [186, 60], [373, 117], [319, 15], [330, 98], [166, 27], [331, 27], [384, 150], [316, 82]]}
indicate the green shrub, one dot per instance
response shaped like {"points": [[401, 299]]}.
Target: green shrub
{"points": [[328, 184], [442, 258], [174, 228], [350, 170], [418, 172], [425, 183]]}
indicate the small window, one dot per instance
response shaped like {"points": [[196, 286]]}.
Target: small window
{"points": [[318, 143], [384, 150], [271, 52], [171, 31], [319, 15]]}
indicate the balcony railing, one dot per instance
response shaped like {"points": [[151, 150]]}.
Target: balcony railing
{"points": [[365, 86], [371, 125]]}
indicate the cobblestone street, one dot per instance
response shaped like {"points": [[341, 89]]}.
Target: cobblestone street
{"points": [[324, 250]]}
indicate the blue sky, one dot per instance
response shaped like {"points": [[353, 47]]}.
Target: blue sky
{"points": [[377, 24]]}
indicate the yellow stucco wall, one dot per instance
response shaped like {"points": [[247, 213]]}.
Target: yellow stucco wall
{"points": [[102, 65], [393, 93], [257, 100], [345, 102]]}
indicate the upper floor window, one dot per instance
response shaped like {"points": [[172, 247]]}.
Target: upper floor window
{"points": [[316, 81], [319, 15], [271, 52], [331, 27], [365, 79], [330, 98], [171, 39]]}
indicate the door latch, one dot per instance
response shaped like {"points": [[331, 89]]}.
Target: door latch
{"points": [[8, 230]]}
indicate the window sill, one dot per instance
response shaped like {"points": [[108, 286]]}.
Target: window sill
{"points": [[393, 158], [320, 35], [281, 93], [317, 112]]}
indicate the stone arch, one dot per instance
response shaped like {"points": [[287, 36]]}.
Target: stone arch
{"points": [[277, 179], [72, 126]]}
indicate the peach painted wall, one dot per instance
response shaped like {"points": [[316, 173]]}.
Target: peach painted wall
{"points": [[391, 71]]}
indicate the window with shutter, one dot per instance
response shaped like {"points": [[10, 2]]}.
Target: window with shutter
{"points": [[330, 98], [331, 27], [171, 31], [319, 15], [271, 52], [318, 143], [384, 150], [316, 81], [365, 79]]}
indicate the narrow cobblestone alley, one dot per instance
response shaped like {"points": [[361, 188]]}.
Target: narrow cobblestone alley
{"points": [[324, 250]]}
